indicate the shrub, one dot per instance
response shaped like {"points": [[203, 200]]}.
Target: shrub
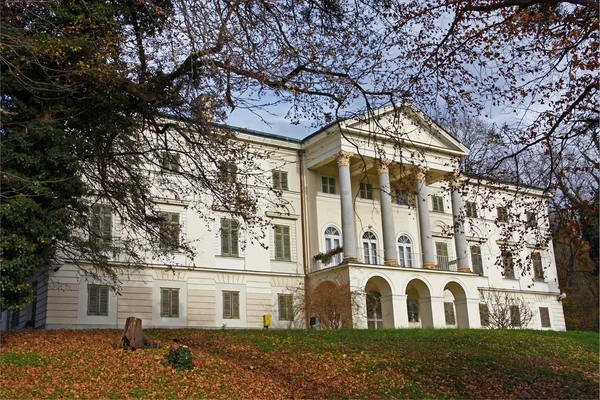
{"points": [[180, 358]]}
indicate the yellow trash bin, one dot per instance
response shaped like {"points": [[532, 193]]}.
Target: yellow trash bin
{"points": [[266, 321]]}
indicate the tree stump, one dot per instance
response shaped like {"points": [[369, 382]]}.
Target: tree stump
{"points": [[133, 337]]}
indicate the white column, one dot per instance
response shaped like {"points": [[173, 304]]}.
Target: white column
{"points": [[359, 312], [460, 239], [387, 216], [438, 315], [348, 230], [400, 311], [425, 224]]}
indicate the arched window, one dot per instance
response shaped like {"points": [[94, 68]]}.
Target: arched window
{"points": [[374, 314], [369, 241], [405, 251], [333, 240]]}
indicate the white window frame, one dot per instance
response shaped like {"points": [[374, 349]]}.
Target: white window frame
{"points": [[331, 241], [405, 248], [365, 191], [280, 180], [326, 185], [370, 248], [437, 204]]}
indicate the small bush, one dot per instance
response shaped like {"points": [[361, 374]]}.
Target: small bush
{"points": [[180, 358]]}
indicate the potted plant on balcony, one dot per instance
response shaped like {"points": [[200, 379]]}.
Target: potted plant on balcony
{"points": [[326, 257]]}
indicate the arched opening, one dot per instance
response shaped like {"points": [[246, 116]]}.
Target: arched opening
{"points": [[418, 304], [455, 306], [379, 303]]}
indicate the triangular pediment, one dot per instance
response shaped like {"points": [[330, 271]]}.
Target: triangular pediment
{"points": [[408, 124]]}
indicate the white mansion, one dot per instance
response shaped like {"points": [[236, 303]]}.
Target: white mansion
{"points": [[428, 243]]}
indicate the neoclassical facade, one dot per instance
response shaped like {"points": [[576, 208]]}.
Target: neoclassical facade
{"points": [[422, 244]]}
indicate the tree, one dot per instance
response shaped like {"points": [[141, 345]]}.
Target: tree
{"points": [[103, 75], [505, 310]]}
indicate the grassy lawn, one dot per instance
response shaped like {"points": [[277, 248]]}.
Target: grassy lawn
{"points": [[304, 364]]}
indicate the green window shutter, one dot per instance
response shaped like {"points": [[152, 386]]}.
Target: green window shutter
{"points": [[284, 180], [278, 242], [476, 260], [164, 302], [103, 300], [484, 314], [234, 238], [106, 224], [287, 250], [92, 300], [235, 305], [545, 317], [175, 229], [515, 316], [441, 249], [227, 305], [276, 180], [174, 302], [225, 226]]}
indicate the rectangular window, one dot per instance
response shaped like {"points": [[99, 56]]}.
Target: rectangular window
{"points": [[229, 238], [401, 197], [484, 314], [538, 267], [508, 265], [545, 317], [328, 185], [286, 307], [228, 172], [15, 319], [449, 313], [412, 307], [97, 300], [471, 209], [502, 214], [169, 231], [280, 180], [366, 191], [169, 302], [170, 161], [283, 248], [231, 305], [437, 203], [531, 219], [441, 250], [101, 228], [515, 316], [476, 260]]}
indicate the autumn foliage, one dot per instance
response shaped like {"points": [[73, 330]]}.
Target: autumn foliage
{"points": [[303, 364]]}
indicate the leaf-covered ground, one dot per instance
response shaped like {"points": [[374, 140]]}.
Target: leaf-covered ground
{"points": [[256, 364]]}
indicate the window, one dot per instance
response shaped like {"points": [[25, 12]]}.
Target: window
{"points": [[374, 314], [169, 231], [502, 214], [101, 229], [282, 243], [404, 251], [471, 209], [231, 305], [531, 219], [229, 238], [449, 313], [286, 307], [366, 191], [412, 307], [545, 317], [280, 180], [484, 314], [508, 265], [97, 300], [437, 203], [228, 172], [333, 240], [328, 185], [476, 260], [441, 250], [515, 316], [170, 161], [369, 241], [15, 319], [401, 197], [169, 302], [538, 268]]}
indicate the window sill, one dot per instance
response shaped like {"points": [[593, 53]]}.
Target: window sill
{"points": [[229, 256], [290, 261]]}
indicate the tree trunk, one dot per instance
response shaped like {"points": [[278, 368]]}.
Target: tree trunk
{"points": [[133, 336]]}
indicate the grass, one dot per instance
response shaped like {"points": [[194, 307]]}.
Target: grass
{"points": [[418, 363]]}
